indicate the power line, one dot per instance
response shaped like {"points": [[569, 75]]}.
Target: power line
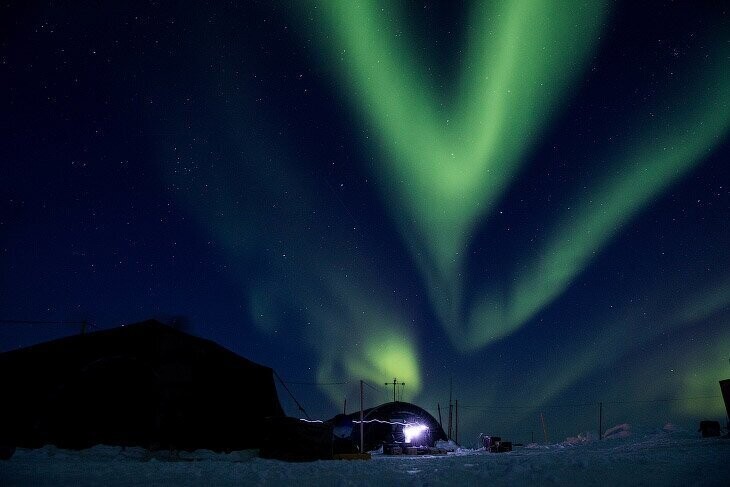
{"points": [[591, 404], [674, 399], [489, 408], [316, 383], [292, 395], [373, 387]]}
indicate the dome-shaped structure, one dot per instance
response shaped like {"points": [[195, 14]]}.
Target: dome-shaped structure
{"points": [[396, 422]]}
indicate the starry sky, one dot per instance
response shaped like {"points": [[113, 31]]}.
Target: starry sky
{"points": [[528, 200]]}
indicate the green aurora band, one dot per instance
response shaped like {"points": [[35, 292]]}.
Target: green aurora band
{"points": [[666, 148], [447, 168], [667, 319], [360, 334]]}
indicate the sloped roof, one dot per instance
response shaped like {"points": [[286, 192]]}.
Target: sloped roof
{"points": [[141, 384]]}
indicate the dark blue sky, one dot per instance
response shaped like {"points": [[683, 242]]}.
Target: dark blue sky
{"points": [[227, 163]]}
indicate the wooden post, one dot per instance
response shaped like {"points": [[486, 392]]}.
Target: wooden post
{"points": [[544, 428], [344, 407], [441, 423], [361, 419]]}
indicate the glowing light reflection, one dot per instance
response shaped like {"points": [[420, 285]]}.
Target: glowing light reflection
{"points": [[413, 431]]}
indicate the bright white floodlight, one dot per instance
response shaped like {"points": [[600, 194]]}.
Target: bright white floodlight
{"points": [[413, 431]]}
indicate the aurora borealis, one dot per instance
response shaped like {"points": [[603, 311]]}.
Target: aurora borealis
{"points": [[527, 198]]}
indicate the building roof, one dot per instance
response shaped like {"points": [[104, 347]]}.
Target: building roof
{"points": [[143, 384]]}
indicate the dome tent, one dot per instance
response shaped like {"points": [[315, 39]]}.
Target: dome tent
{"points": [[144, 384], [386, 423], [294, 439]]}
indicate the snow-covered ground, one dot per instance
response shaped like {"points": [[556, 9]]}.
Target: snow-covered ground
{"points": [[653, 458]]}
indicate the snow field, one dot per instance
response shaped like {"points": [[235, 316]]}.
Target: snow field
{"points": [[663, 458]]}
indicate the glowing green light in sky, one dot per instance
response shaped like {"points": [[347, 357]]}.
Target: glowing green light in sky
{"points": [[354, 327], [446, 156], [665, 150], [362, 338], [357, 334], [448, 167], [386, 354], [699, 377], [672, 345]]}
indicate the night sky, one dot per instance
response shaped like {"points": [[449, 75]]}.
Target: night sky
{"points": [[528, 198]]}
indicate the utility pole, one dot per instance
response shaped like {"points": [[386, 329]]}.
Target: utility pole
{"points": [[451, 415], [361, 418], [451, 405], [544, 428], [395, 383], [456, 434], [600, 420]]}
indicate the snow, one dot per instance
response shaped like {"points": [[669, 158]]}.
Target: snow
{"points": [[664, 457]]}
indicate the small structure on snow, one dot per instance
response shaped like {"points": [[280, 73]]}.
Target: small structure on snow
{"points": [[397, 427], [396, 422]]}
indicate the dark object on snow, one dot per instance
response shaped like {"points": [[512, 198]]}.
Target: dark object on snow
{"points": [[709, 428], [494, 444], [294, 440], [145, 384], [404, 449], [392, 449], [342, 442], [489, 441], [384, 425], [6, 452], [503, 446]]}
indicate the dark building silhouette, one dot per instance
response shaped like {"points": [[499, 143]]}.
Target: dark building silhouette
{"points": [[144, 384]]}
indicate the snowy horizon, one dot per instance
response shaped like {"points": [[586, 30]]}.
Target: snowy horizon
{"points": [[670, 457]]}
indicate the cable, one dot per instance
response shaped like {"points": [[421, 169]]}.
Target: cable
{"points": [[673, 399], [590, 404], [292, 395], [373, 387], [317, 383]]}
